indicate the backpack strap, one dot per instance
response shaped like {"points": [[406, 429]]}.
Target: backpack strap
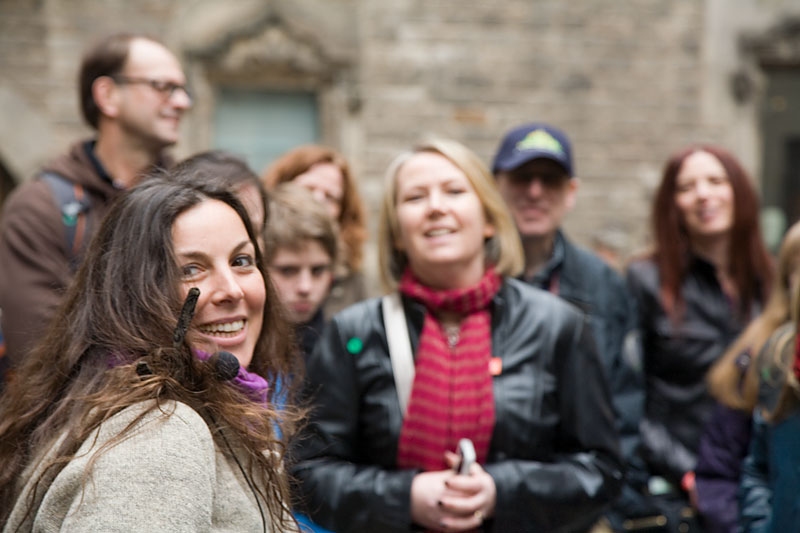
{"points": [[73, 203], [394, 321]]}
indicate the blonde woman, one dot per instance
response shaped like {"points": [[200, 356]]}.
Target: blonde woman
{"points": [[506, 365]]}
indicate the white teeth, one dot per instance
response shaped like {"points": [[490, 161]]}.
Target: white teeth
{"points": [[437, 232], [227, 327]]}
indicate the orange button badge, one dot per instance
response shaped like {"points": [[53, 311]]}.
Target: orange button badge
{"points": [[495, 366]]}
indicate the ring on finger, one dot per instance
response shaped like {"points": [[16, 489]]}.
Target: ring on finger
{"points": [[479, 515]]}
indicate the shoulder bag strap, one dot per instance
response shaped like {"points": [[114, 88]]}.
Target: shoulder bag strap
{"points": [[73, 203], [394, 320]]}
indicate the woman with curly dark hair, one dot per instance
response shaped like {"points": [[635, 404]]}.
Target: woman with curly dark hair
{"points": [[146, 407]]}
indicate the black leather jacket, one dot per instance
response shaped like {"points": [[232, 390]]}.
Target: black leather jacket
{"points": [[554, 453], [676, 359]]}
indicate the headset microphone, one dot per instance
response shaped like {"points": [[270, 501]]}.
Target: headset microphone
{"points": [[226, 366], [185, 318]]}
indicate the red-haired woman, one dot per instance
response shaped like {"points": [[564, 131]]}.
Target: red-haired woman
{"points": [[707, 276], [327, 175]]}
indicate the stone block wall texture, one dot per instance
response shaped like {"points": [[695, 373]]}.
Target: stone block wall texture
{"points": [[620, 77], [630, 81]]}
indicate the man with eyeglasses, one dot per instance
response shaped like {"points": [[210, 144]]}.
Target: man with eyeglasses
{"points": [[534, 171], [133, 94]]}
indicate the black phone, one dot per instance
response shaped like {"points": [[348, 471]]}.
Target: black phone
{"points": [[466, 454]]}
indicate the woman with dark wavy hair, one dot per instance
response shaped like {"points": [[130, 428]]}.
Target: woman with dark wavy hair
{"points": [[129, 416], [706, 278], [327, 175]]}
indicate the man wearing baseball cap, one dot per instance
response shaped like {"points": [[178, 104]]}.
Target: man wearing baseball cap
{"points": [[535, 173]]}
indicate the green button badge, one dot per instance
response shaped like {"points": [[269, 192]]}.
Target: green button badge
{"points": [[355, 345]]}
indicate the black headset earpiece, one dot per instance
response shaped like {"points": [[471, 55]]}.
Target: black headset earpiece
{"points": [[143, 369]]}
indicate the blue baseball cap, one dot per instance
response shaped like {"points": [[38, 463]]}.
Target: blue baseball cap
{"points": [[533, 141]]}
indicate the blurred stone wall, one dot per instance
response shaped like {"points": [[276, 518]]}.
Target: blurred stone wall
{"points": [[629, 81]]}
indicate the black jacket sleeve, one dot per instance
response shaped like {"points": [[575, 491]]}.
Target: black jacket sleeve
{"points": [[566, 492], [755, 494]]}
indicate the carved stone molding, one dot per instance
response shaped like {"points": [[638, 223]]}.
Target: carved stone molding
{"points": [[304, 38], [777, 47]]}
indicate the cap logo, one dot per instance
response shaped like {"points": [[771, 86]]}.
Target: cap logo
{"points": [[540, 140]]}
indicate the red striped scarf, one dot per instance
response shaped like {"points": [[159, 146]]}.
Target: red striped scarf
{"points": [[451, 396]]}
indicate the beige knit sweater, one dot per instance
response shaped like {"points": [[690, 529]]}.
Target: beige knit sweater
{"points": [[167, 475]]}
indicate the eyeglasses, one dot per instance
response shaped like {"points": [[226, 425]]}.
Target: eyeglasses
{"points": [[164, 87]]}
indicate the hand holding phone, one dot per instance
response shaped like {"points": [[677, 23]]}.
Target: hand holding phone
{"points": [[466, 454]]}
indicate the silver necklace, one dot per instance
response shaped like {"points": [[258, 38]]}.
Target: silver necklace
{"points": [[453, 332]]}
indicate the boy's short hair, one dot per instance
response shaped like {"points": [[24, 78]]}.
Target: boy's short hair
{"points": [[295, 217]]}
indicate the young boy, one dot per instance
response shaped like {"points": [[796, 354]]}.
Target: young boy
{"points": [[301, 248]]}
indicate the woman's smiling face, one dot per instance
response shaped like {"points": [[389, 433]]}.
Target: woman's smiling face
{"points": [[441, 221], [217, 256], [704, 196]]}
